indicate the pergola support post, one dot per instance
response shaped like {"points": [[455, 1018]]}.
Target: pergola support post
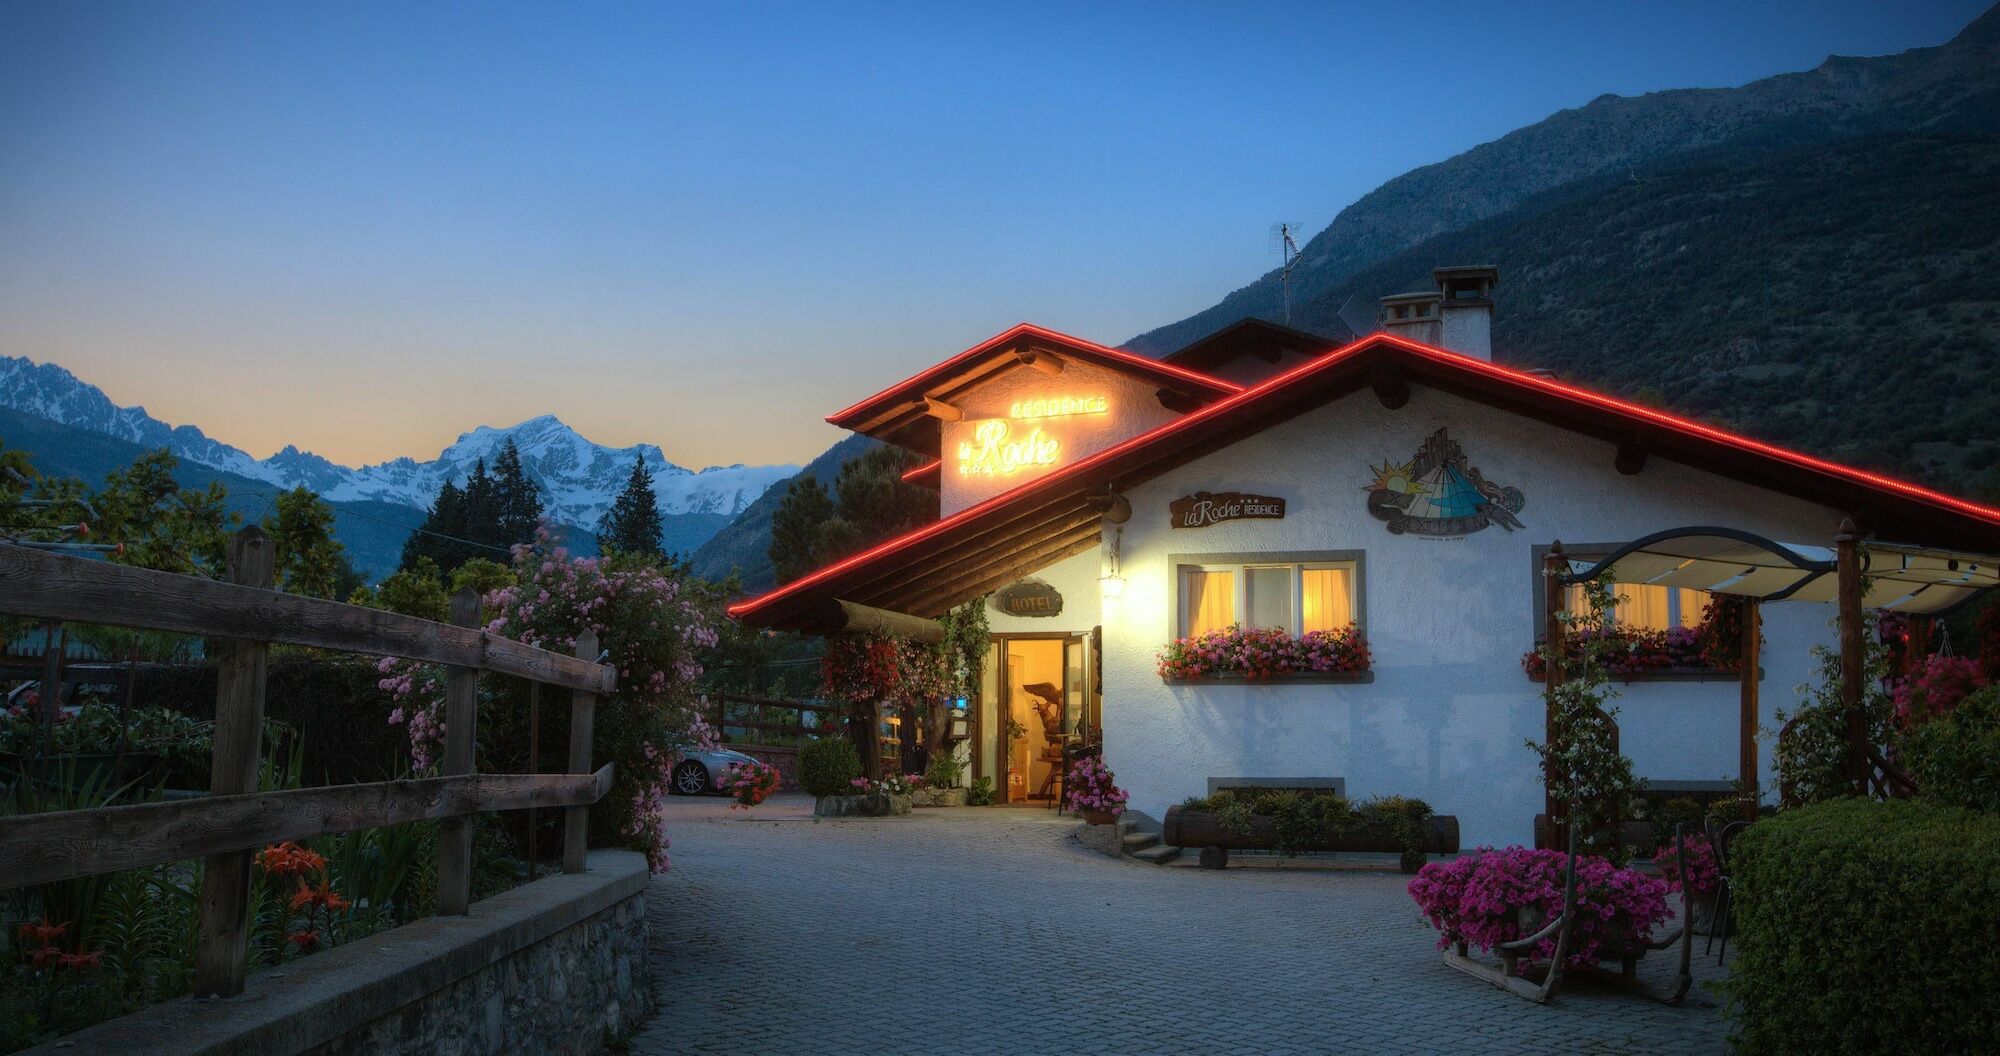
{"points": [[1752, 662], [1847, 563], [1555, 597]]}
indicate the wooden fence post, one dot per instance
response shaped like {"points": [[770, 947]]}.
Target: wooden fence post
{"points": [[582, 718], [223, 933], [461, 724]]}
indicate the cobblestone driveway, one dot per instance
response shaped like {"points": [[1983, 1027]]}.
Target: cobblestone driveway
{"points": [[990, 931]]}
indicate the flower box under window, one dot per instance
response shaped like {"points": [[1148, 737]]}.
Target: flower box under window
{"points": [[1238, 656]]}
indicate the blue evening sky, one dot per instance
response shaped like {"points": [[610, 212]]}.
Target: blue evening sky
{"points": [[365, 228]]}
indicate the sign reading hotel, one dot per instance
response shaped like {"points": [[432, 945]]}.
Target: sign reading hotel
{"points": [[1202, 509], [1029, 598], [1001, 447]]}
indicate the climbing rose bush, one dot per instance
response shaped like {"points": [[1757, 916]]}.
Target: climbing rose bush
{"points": [[654, 627], [1264, 652], [1477, 898], [1935, 688]]}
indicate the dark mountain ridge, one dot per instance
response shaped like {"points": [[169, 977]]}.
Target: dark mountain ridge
{"points": [[1954, 87]]}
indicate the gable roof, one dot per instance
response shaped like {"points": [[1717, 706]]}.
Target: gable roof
{"points": [[930, 569], [898, 413], [1251, 337]]}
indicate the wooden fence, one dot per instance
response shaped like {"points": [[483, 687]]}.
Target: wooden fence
{"points": [[722, 705], [236, 819]]}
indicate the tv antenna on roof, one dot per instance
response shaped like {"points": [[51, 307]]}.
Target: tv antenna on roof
{"points": [[1288, 257]]}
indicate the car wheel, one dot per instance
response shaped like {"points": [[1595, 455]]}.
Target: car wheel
{"points": [[690, 778]]}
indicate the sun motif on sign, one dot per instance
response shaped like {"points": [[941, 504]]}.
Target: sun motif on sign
{"points": [[1397, 478]]}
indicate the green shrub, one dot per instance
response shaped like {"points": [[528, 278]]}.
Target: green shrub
{"points": [[981, 793], [828, 766], [944, 771], [1955, 758], [1867, 927]]}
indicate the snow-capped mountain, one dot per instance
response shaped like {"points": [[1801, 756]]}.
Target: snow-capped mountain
{"points": [[579, 479]]}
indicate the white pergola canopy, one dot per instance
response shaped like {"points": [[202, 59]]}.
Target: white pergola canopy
{"points": [[1898, 577]]}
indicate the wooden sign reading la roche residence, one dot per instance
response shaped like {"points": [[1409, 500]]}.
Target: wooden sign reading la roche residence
{"points": [[1202, 509]]}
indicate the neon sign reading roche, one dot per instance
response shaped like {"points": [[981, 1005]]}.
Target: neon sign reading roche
{"points": [[996, 449], [993, 449]]}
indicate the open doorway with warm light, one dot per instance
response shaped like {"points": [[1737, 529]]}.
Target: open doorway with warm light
{"points": [[1037, 701]]}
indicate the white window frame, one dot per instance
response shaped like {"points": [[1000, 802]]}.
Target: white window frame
{"points": [[1241, 564]]}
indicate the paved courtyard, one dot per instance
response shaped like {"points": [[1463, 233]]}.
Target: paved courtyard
{"points": [[983, 931]]}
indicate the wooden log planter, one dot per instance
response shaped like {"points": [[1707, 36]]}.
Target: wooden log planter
{"points": [[1205, 830]]}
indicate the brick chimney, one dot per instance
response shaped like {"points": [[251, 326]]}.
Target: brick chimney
{"points": [[1458, 316]]}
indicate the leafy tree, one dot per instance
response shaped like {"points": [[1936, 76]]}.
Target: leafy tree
{"points": [[309, 560], [144, 510], [633, 525], [482, 575], [414, 591], [517, 500], [871, 502]]}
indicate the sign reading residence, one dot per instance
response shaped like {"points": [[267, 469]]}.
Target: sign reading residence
{"points": [[1202, 509], [1029, 598]]}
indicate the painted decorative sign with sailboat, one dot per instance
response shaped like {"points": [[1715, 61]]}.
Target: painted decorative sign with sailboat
{"points": [[1439, 493]]}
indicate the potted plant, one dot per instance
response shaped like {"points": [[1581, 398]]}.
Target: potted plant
{"points": [[939, 787], [750, 783], [1490, 897], [1695, 876], [1262, 654], [1088, 790]]}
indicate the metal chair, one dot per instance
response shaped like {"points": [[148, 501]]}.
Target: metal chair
{"points": [[1719, 839]]}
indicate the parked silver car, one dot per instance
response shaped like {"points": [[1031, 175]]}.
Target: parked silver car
{"points": [[697, 772]]}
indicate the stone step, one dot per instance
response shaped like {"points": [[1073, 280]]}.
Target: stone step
{"points": [[1158, 854], [1138, 841]]}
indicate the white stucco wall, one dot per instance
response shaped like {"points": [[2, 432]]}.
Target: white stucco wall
{"points": [[1449, 710], [1075, 577], [1134, 407]]}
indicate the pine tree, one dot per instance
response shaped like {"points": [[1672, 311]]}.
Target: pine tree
{"points": [[482, 512], [439, 537], [633, 525], [796, 527], [518, 501], [870, 502]]}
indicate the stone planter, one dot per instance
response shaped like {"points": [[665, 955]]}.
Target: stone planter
{"points": [[873, 805], [1098, 817], [938, 797]]}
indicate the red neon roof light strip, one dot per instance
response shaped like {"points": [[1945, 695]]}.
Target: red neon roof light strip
{"points": [[1020, 330], [928, 467], [1340, 355]]}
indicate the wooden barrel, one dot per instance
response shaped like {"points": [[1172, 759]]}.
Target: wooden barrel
{"points": [[1203, 829]]}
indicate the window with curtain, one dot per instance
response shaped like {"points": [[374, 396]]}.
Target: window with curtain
{"points": [[1641, 606], [1297, 597]]}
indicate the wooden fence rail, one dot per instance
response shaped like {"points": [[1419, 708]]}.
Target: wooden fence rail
{"points": [[58, 587], [236, 819], [719, 714]]}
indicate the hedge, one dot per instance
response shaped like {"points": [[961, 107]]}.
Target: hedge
{"points": [[1867, 927], [826, 766]]}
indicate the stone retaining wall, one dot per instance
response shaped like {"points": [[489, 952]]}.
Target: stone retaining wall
{"points": [[556, 966]]}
